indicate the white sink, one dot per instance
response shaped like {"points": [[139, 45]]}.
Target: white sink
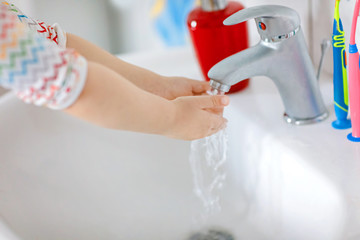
{"points": [[61, 178]]}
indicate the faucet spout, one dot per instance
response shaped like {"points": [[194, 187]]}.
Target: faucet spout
{"points": [[241, 66]]}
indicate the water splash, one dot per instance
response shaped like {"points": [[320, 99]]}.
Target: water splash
{"points": [[207, 159]]}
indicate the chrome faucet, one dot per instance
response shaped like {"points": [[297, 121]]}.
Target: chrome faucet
{"points": [[282, 56]]}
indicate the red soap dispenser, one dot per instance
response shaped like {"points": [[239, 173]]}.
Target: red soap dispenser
{"points": [[212, 40]]}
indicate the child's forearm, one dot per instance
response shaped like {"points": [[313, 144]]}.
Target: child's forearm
{"points": [[109, 100], [142, 78]]}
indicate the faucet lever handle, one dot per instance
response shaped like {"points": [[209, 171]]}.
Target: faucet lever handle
{"points": [[272, 21]]}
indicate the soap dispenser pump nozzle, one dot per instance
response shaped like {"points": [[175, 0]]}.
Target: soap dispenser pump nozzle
{"points": [[213, 5]]}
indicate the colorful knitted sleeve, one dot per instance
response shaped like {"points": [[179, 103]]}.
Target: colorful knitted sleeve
{"points": [[34, 67], [54, 32]]}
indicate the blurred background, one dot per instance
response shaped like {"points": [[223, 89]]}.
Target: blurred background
{"points": [[123, 26], [116, 25], [128, 26], [119, 26], [133, 26]]}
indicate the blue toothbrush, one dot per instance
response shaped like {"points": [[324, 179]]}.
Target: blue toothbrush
{"points": [[341, 95]]}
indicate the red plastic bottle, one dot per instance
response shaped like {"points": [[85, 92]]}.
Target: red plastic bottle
{"points": [[212, 40]]}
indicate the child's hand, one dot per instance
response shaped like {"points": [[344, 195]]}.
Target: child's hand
{"points": [[195, 117], [174, 87]]}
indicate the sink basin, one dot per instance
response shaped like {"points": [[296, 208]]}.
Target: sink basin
{"points": [[61, 178]]}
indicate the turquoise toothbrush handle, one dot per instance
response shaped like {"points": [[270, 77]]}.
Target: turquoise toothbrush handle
{"points": [[341, 104]]}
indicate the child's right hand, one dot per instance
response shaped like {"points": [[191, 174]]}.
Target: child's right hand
{"points": [[197, 117]]}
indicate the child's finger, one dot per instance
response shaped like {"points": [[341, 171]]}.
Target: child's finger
{"points": [[209, 101], [218, 110], [217, 123], [199, 87]]}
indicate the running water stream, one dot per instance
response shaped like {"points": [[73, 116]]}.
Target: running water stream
{"points": [[207, 159]]}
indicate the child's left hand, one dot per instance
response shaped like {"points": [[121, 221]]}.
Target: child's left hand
{"points": [[174, 87]]}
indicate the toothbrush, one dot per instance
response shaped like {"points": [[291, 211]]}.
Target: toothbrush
{"points": [[354, 81], [341, 96]]}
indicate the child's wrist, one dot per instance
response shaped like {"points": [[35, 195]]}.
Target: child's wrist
{"points": [[169, 116]]}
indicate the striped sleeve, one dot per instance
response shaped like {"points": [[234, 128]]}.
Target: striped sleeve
{"points": [[37, 70], [54, 32]]}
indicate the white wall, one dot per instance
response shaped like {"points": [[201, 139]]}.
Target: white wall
{"points": [[132, 28], [86, 18], [115, 25]]}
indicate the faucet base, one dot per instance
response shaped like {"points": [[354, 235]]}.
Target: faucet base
{"points": [[300, 122]]}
